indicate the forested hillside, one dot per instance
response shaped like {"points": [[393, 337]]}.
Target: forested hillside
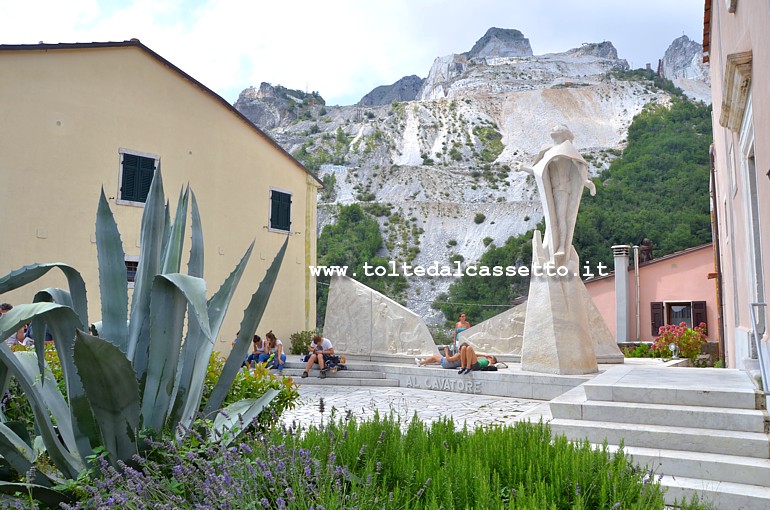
{"points": [[658, 189]]}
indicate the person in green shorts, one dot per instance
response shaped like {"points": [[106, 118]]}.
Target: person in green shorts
{"points": [[470, 361]]}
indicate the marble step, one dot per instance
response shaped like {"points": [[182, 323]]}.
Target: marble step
{"points": [[342, 374], [704, 466], [575, 406], [721, 495], [332, 380], [707, 387], [369, 367], [727, 442]]}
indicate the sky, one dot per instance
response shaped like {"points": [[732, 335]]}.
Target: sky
{"points": [[343, 48]]}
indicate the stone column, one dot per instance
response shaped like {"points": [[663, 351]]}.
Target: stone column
{"points": [[622, 293]]}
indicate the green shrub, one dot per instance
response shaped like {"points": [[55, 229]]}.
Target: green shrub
{"points": [[300, 341], [479, 218], [487, 241], [642, 350]]}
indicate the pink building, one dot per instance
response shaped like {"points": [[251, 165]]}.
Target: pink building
{"points": [[672, 289], [736, 43]]}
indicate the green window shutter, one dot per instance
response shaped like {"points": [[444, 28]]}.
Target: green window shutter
{"points": [[146, 173], [129, 189], [280, 210], [657, 317], [138, 172]]}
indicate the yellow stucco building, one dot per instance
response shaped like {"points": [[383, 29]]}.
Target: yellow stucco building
{"points": [[78, 117]]}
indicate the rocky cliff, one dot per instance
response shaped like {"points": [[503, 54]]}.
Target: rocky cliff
{"points": [[683, 64], [405, 89], [439, 172]]}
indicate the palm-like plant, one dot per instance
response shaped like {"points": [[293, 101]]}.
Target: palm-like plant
{"points": [[144, 372]]}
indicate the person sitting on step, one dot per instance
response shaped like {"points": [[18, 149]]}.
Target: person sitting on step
{"points": [[259, 349], [274, 355], [320, 348]]}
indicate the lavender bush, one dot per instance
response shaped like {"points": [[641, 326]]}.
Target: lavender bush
{"points": [[380, 463]]}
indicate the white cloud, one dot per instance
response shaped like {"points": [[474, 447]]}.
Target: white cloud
{"points": [[343, 48]]}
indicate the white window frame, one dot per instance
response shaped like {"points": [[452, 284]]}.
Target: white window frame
{"points": [[752, 219], [121, 152], [270, 210]]}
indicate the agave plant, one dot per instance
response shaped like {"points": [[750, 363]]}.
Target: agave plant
{"points": [[132, 373]]}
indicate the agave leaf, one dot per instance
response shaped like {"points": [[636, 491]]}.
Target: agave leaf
{"points": [[113, 281], [166, 226], [20, 315], [53, 295], [251, 317], [195, 265], [5, 379], [236, 417], [112, 391], [196, 354], [27, 274], [41, 493], [62, 323], [39, 327], [171, 295], [15, 450], [195, 350], [220, 302], [52, 399], [69, 463], [172, 253], [151, 238]]}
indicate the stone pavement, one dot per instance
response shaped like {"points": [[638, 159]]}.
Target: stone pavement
{"points": [[363, 402]]}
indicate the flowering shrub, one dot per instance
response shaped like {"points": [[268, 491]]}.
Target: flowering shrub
{"points": [[688, 340]]}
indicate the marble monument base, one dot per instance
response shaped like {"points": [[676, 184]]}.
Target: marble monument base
{"points": [[557, 338]]}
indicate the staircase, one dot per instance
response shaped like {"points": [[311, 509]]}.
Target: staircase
{"points": [[355, 374], [705, 430]]}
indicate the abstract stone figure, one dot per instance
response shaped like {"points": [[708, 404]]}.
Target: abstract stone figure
{"points": [[558, 333], [361, 321], [561, 173]]}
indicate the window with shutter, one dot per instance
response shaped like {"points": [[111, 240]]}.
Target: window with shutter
{"points": [[699, 313], [658, 319], [280, 210], [136, 173]]}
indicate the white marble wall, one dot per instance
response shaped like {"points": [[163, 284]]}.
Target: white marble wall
{"points": [[500, 334], [362, 321]]}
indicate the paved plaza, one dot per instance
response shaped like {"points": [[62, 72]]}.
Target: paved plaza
{"points": [[363, 402]]}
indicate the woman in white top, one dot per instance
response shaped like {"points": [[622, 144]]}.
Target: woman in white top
{"points": [[275, 349], [259, 349]]}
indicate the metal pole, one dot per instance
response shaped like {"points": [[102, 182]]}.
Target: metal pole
{"points": [[636, 277]]}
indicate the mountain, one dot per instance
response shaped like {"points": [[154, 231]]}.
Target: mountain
{"points": [[500, 42], [405, 89], [683, 64], [439, 172]]}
